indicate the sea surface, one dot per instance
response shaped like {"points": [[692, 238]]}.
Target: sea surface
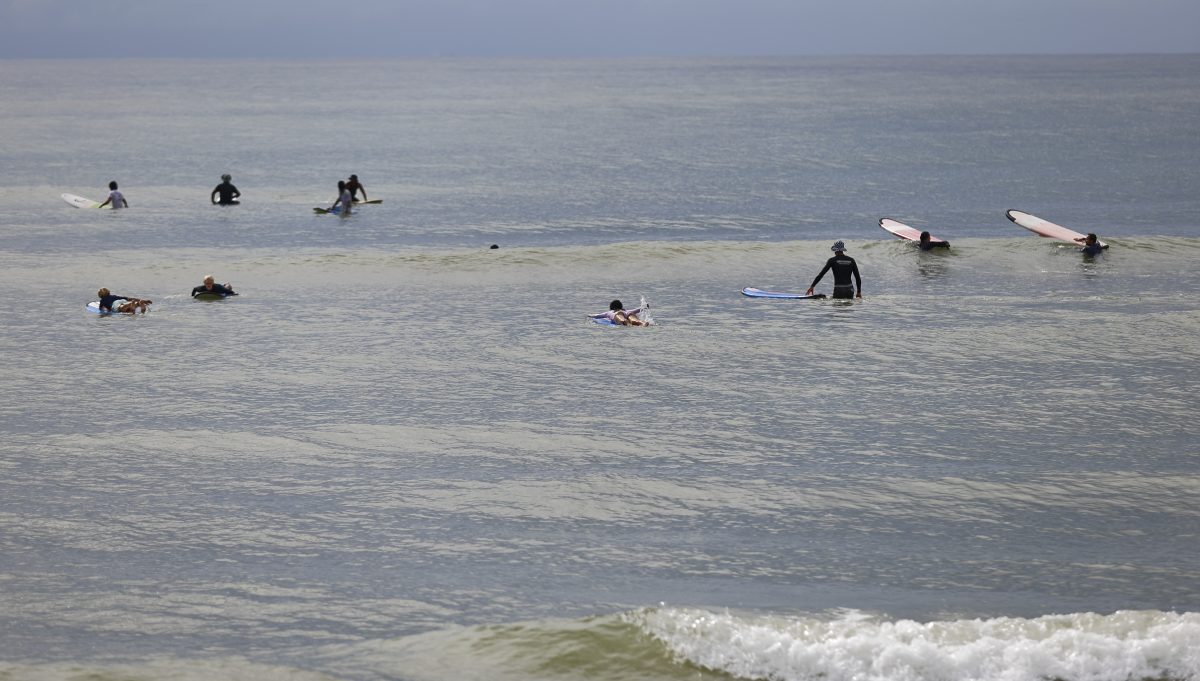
{"points": [[401, 454]]}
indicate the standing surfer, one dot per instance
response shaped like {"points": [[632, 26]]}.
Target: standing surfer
{"points": [[229, 193], [843, 266], [115, 198], [344, 199]]}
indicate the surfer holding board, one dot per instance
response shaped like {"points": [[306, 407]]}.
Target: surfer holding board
{"points": [[115, 198], [843, 267]]}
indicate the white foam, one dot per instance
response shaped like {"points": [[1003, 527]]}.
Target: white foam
{"points": [[856, 647]]}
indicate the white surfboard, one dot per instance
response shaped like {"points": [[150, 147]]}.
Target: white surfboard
{"points": [[80, 202], [903, 231], [1047, 229], [753, 292]]}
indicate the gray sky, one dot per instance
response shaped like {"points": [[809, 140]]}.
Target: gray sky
{"points": [[382, 28]]}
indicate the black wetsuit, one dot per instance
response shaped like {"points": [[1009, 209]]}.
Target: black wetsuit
{"points": [[217, 288], [354, 187], [1092, 249], [843, 266], [228, 192]]}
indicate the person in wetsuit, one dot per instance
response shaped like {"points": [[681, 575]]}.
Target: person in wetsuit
{"points": [[111, 302], [355, 187], [229, 193], [843, 266], [210, 286], [927, 244], [1091, 245]]}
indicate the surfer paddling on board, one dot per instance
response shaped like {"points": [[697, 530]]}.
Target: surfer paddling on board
{"points": [[115, 198], [210, 286], [229, 193], [344, 199], [1091, 245], [110, 302], [617, 314], [843, 266], [355, 187]]}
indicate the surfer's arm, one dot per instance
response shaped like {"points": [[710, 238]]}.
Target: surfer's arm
{"points": [[818, 279]]}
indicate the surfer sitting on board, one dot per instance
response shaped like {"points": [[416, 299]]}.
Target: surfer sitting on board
{"points": [[926, 245], [843, 266], [110, 302], [617, 314], [229, 193], [1091, 245], [210, 286], [355, 187], [115, 198]]}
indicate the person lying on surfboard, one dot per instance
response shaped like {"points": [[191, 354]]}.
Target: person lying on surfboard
{"points": [[115, 198], [617, 314], [110, 302], [843, 267], [355, 187], [210, 286], [1091, 245]]}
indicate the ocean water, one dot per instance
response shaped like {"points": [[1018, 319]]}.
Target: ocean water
{"points": [[401, 454]]}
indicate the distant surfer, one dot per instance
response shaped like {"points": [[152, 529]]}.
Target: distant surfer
{"points": [[210, 286], [1091, 245], [344, 199], [355, 187], [617, 314], [115, 198], [843, 267], [927, 244], [110, 302], [228, 193]]}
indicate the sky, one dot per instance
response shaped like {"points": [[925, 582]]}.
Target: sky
{"points": [[600, 28]]}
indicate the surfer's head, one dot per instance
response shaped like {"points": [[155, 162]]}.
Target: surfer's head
{"points": [[838, 247], [1090, 239], [925, 237], [354, 178], [208, 280], [226, 177], [102, 292], [616, 305], [112, 185], [341, 185]]}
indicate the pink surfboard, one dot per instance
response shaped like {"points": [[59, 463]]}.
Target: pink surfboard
{"points": [[1048, 229], [903, 231]]}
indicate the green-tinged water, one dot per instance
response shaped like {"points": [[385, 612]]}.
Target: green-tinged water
{"points": [[401, 454]]}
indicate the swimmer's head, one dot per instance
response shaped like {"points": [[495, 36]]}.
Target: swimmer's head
{"points": [[616, 305]]}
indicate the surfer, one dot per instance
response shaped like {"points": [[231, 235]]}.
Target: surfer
{"points": [[110, 302], [115, 198], [617, 314], [355, 187], [925, 244], [1091, 245], [843, 266], [229, 193], [344, 199], [210, 286]]}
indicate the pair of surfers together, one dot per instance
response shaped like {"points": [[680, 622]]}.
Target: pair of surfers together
{"points": [[348, 195], [112, 302]]}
